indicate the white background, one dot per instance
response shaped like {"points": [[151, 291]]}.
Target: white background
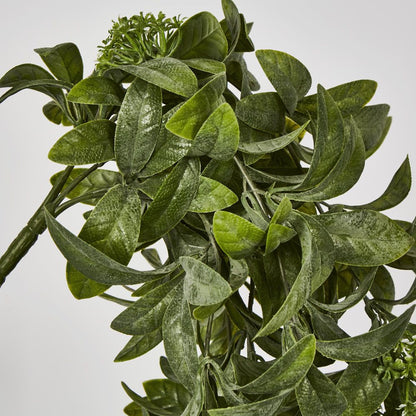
{"points": [[55, 352]]}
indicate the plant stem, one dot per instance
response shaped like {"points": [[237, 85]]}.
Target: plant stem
{"points": [[208, 335], [29, 234], [86, 197]]}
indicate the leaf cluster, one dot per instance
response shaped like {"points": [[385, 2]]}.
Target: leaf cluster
{"points": [[260, 265]]}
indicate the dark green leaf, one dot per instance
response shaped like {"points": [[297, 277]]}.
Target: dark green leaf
{"points": [[146, 314], [365, 238], [187, 121], [96, 90], [139, 345], [53, 113], [172, 200], [232, 19], [91, 142], [218, 137], [203, 285], [113, 228], [367, 346], [363, 388], [167, 73], [236, 236], [24, 72], [318, 396], [179, 341], [395, 193], [289, 77], [201, 36], [64, 61], [133, 409], [205, 65], [212, 196], [262, 111], [137, 126], [94, 264], [286, 372]]}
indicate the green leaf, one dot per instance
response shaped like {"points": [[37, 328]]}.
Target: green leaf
{"points": [[91, 142], [139, 345], [169, 149], [372, 121], [201, 36], [363, 388], [317, 395], [395, 193], [233, 22], [172, 200], [187, 121], [354, 297], [367, 346], [133, 409], [236, 236], [286, 372], [197, 401], [137, 125], [349, 97], [262, 111], [218, 137], [272, 145], [94, 264], [365, 238], [289, 77], [23, 72], [96, 90], [53, 113], [212, 196], [179, 341], [261, 408], [113, 228], [301, 288], [203, 285], [277, 234], [282, 211], [167, 73], [205, 65], [146, 314], [99, 179], [64, 61], [167, 395]]}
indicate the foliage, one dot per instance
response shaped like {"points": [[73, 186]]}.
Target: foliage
{"points": [[221, 174]]}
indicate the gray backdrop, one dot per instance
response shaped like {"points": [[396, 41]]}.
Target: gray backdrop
{"points": [[55, 352]]}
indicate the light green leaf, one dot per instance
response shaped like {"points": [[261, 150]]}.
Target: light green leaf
{"points": [[318, 396], [197, 401], [236, 236], [289, 77], [277, 234], [91, 142], [349, 97], [367, 346], [167, 73], [96, 90], [282, 211], [218, 137], [179, 341], [113, 228], [146, 314], [201, 36], [137, 125], [262, 111], [363, 388], [203, 285], [172, 200], [187, 121], [205, 65], [286, 372], [94, 264], [272, 145], [212, 196], [365, 238], [395, 193], [64, 61], [139, 345]]}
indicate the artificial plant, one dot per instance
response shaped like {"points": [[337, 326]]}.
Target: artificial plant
{"points": [[222, 175]]}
